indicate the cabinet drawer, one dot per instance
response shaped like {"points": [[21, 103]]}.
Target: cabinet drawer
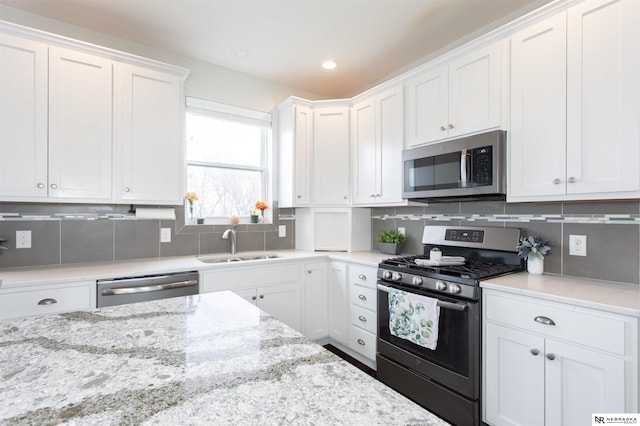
{"points": [[362, 342], [588, 327], [240, 276], [46, 301], [363, 296], [363, 318], [363, 275]]}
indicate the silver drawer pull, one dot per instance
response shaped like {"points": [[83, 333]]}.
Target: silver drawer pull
{"points": [[362, 318], [362, 276], [551, 357], [361, 342], [535, 352], [362, 297], [47, 301], [544, 320]]}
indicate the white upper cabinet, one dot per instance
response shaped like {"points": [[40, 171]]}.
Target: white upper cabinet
{"points": [[80, 123], [331, 156], [150, 110], [377, 135], [457, 97], [575, 105], [23, 115]]}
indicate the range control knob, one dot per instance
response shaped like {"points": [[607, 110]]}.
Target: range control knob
{"points": [[396, 276], [454, 288], [441, 285], [386, 275], [416, 281]]}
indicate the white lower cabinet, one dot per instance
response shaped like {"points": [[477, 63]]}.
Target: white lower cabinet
{"points": [[276, 289], [47, 299], [317, 301], [338, 303], [548, 363], [362, 311]]}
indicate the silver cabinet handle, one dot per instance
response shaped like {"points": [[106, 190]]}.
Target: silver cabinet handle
{"points": [[544, 320], [40, 185], [551, 357], [253, 297], [362, 297], [345, 197], [309, 272], [535, 352], [47, 301], [262, 296], [361, 342], [442, 128], [362, 318], [450, 126], [53, 186], [571, 180], [299, 196], [127, 189], [363, 277], [557, 181]]}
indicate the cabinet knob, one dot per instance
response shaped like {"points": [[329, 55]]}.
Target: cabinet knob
{"points": [[53, 186], [361, 342], [47, 301], [535, 352], [551, 356], [362, 318], [308, 272], [544, 320], [371, 195], [262, 296], [362, 297], [556, 181], [450, 126], [253, 297], [40, 185], [442, 128], [299, 196], [363, 277], [127, 189], [571, 180]]}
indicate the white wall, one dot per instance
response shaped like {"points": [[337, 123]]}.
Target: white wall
{"points": [[206, 81]]}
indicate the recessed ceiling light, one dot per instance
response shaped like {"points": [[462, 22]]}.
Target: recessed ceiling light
{"points": [[240, 53], [328, 65]]}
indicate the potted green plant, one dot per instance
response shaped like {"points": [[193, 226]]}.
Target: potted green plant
{"points": [[534, 249], [391, 241]]}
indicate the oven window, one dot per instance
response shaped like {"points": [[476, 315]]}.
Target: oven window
{"points": [[437, 172], [452, 351]]}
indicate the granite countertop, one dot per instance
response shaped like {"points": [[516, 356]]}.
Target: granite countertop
{"points": [[602, 295], [205, 359]]}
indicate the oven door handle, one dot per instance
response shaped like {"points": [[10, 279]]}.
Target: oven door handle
{"points": [[447, 305]]}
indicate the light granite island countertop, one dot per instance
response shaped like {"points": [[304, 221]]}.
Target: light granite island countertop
{"points": [[197, 360]]}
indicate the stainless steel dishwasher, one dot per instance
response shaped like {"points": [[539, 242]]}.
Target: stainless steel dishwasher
{"points": [[120, 291]]}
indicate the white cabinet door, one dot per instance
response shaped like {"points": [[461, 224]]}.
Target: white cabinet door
{"points": [[303, 148], [151, 116], [80, 123], [365, 151], [23, 118], [331, 167], [514, 377], [580, 382], [390, 137], [338, 303], [317, 303], [427, 106], [475, 90], [538, 109], [603, 124], [284, 302]]}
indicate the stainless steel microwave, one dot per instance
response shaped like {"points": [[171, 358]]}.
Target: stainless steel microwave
{"points": [[469, 168]]}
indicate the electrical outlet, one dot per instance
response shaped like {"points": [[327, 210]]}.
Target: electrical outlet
{"points": [[401, 230], [282, 231], [23, 239], [165, 235], [578, 245]]}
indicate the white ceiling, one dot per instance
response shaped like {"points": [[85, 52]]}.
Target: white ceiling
{"points": [[287, 40]]}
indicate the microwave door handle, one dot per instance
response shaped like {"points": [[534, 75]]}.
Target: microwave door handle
{"points": [[463, 168]]}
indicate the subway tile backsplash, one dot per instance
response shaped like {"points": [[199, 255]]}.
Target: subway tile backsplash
{"points": [[58, 241], [612, 229]]}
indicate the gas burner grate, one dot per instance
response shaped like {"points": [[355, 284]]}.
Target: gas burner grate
{"points": [[470, 270]]}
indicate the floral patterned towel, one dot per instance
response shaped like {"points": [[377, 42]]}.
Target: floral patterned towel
{"points": [[414, 318]]}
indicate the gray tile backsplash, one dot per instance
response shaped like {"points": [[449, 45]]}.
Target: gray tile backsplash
{"points": [[65, 241], [612, 229]]}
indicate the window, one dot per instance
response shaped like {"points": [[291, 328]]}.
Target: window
{"points": [[228, 159]]}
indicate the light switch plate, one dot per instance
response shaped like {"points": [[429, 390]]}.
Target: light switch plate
{"points": [[282, 231], [165, 235], [401, 230], [578, 245], [23, 239]]}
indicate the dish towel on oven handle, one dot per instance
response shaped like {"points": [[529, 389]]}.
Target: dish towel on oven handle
{"points": [[414, 318]]}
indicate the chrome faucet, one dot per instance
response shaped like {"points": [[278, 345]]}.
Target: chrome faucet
{"points": [[231, 231]]}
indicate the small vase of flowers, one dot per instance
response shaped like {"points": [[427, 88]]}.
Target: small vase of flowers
{"points": [[262, 206], [534, 249], [191, 197]]}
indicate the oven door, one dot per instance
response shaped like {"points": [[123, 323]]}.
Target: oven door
{"points": [[455, 363]]}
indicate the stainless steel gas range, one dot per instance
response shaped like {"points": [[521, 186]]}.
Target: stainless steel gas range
{"points": [[444, 379]]}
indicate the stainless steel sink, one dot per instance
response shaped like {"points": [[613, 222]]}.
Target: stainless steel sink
{"points": [[229, 259]]}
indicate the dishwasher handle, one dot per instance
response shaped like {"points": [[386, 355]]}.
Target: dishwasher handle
{"points": [[147, 288]]}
